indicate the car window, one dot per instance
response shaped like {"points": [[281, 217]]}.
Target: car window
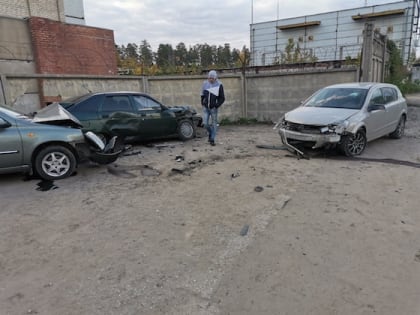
{"points": [[377, 97], [389, 94], [142, 102], [351, 98], [117, 103], [89, 105]]}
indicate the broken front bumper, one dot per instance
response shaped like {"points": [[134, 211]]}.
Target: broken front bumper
{"points": [[316, 140], [96, 150]]}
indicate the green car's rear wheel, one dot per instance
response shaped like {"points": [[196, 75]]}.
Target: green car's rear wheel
{"points": [[186, 129]]}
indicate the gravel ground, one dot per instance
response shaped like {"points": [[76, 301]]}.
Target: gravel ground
{"points": [[186, 228]]}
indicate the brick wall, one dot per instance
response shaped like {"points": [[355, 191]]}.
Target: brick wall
{"points": [[61, 48]]}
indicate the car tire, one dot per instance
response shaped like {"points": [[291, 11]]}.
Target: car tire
{"points": [[352, 145], [186, 130], [54, 162], [399, 131]]}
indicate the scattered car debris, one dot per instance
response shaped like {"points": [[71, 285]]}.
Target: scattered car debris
{"points": [[194, 162], [177, 170], [271, 147], [417, 256], [258, 188], [244, 230], [234, 175], [131, 152]]}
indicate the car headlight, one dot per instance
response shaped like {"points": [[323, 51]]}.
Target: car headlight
{"points": [[325, 129], [341, 126]]}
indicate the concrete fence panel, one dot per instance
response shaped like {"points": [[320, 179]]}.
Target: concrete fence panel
{"points": [[260, 96]]}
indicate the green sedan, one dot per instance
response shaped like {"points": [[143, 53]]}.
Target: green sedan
{"points": [[132, 114]]}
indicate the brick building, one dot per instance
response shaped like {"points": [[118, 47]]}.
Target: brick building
{"points": [[50, 37]]}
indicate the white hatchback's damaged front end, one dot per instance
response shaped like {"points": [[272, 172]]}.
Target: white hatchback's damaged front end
{"points": [[314, 128]]}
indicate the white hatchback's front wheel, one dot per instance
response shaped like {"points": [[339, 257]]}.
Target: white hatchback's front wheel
{"points": [[55, 162], [352, 145]]}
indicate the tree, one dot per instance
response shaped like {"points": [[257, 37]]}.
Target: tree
{"points": [[146, 53], [181, 55], [244, 57], [132, 51], [396, 70], [165, 58], [141, 60], [223, 56], [207, 55]]}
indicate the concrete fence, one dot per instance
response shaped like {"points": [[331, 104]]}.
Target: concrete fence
{"points": [[263, 96]]}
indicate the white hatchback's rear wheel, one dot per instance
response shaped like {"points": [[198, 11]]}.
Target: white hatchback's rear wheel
{"points": [[55, 162], [399, 131]]}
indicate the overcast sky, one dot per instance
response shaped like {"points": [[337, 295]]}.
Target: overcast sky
{"points": [[197, 21]]}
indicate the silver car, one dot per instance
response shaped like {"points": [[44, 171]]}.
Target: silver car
{"points": [[346, 116], [50, 145]]}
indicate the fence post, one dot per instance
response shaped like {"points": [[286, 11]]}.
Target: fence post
{"points": [[244, 98], [367, 53]]}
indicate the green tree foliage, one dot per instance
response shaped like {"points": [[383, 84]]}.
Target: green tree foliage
{"points": [[141, 60], [146, 53], [397, 73], [294, 54]]}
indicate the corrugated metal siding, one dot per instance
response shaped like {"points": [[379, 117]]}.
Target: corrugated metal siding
{"points": [[337, 37]]}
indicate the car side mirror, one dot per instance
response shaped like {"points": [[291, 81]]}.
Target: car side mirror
{"points": [[375, 106], [4, 124]]}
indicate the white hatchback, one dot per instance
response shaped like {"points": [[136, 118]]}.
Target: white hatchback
{"points": [[345, 116]]}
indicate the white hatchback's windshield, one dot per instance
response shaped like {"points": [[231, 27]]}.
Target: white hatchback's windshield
{"points": [[351, 98]]}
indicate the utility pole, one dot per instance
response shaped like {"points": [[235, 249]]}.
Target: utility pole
{"points": [[252, 12]]}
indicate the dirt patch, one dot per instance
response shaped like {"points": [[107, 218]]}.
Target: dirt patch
{"points": [[187, 228]]}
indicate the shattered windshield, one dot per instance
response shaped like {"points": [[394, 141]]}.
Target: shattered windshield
{"points": [[350, 98]]}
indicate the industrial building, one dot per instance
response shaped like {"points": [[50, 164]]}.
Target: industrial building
{"points": [[334, 35]]}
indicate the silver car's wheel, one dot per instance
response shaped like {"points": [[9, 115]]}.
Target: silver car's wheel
{"points": [[352, 145], [55, 162], [186, 129], [399, 131]]}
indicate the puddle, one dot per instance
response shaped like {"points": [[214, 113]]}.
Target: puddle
{"points": [[46, 185]]}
